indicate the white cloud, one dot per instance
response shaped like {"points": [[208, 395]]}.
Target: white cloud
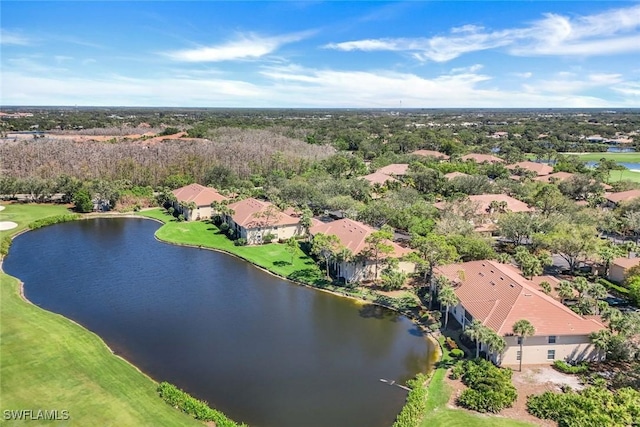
{"points": [[297, 86], [247, 46], [629, 89], [607, 33], [12, 38], [525, 75]]}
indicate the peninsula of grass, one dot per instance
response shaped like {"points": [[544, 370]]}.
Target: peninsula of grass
{"points": [[438, 414], [48, 362], [272, 257]]}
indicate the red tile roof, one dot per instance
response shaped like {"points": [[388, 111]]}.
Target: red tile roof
{"points": [[539, 168], [431, 153], [352, 235], [394, 169], [482, 158], [484, 200], [201, 195], [247, 213], [378, 178], [558, 176], [452, 175], [623, 196], [498, 296], [626, 262]]}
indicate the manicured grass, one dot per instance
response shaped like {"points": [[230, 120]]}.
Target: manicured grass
{"points": [[437, 414], [624, 175], [23, 214], [273, 257], [632, 157], [48, 362]]}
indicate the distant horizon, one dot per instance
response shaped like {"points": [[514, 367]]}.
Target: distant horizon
{"points": [[391, 109], [308, 54]]}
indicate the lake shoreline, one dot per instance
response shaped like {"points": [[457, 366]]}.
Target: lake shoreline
{"points": [[427, 334]]}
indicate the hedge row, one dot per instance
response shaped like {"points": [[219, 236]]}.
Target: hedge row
{"points": [[563, 366], [5, 244], [192, 406], [613, 287], [53, 220], [413, 410]]}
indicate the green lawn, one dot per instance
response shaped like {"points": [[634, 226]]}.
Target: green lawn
{"points": [[23, 214], [437, 414], [48, 362], [633, 157], [273, 257], [624, 175]]}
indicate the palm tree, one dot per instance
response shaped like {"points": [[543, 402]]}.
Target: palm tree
{"points": [[597, 292], [613, 316], [477, 332], [600, 340], [565, 290], [546, 287], [447, 297], [522, 329], [496, 344], [581, 285]]}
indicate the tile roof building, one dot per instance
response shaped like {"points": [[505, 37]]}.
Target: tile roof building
{"points": [[378, 178], [352, 235], [397, 169], [622, 196], [482, 158], [201, 196], [431, 153], [252, 219], [498, 296], [540, 169], [619, 267]]}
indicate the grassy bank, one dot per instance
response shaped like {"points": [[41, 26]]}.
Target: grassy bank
{"points": [[48, 362], [272, 257], [438, 414]]}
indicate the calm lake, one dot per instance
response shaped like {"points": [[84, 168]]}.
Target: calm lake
{"points": [[262, 350]]}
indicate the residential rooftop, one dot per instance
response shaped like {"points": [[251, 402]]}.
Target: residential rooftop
{"points": [[498, 296]]}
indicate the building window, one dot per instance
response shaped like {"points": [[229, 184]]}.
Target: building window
{"points": [[551, 354], [519, 340], [552, 339], [518, 355]]}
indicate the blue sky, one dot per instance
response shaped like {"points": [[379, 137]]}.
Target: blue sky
{"points": [[321, 54]]}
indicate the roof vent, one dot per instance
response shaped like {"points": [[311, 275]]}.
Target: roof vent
{"points": [[484, 265], [501, 278], [512, 285], [492, 271], [492, 283], [481, 274], [527, 295]]}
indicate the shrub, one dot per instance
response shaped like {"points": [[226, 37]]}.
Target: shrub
{"points": [[57, 219], [192, 406], [613, 287], [5, 245], [268, 237], [490, 388], [451, 344], [405, 302], [240, 242], [457, 353], [567, 368], [413, 410], [169, 131], [392, 280], [592, 406], [224, 227]]}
